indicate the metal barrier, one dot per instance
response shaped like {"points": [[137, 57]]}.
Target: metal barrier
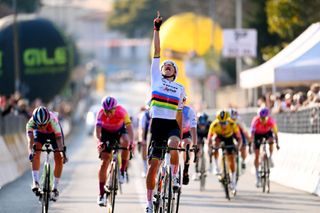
{"points": [[304, 121], [11, 124]]}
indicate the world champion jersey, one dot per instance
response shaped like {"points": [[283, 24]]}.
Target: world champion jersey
{"points": [[52, 126], [166, 96], [188, 119]]}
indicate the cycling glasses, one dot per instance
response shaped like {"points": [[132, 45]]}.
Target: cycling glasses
{"points": [[109, 111], [223, 123]]}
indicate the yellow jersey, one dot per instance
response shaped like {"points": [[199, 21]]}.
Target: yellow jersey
{"points": [[227, 131]]}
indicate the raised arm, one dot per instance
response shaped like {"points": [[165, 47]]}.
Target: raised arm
{"points": [[156, 38]]}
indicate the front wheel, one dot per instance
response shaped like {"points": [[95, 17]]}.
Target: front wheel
{"points": [[46, 189], [226, 179], [202, 172], [167, 191]]}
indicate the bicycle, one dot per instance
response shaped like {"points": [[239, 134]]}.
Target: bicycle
{"points": [[45, 184], [264, 168], [203, 173], [225, 177], [167, 199], [113, 185]]}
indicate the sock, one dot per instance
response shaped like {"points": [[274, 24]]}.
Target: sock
{"points": [[233, 177], [124, 164], [149, 196], [35, 176], [55, 183], [257, 173], [101, 187], [174, 169]]}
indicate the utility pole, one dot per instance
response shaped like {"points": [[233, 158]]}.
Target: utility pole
{"points": [[16, 48], [238, 26]]}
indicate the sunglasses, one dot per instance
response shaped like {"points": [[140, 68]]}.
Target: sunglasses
{"points": [[109, 111], [223, 123]]}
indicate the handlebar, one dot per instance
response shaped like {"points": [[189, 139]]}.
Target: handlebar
{"points": [[187, 150]]}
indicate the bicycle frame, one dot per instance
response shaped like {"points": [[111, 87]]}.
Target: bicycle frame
{"points": [[264, 168], [168, 199]]}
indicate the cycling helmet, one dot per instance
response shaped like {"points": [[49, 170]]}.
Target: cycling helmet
{"points": [[222, 115], [109, 103], [263, 112], [202, 118], [41, 115], [173, 64], [233, 114]]}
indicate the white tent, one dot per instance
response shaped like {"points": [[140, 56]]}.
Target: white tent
{"points": [[277, 71]]}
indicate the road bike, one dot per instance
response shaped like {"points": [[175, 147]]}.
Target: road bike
{"points": [[167, 198], [47, 176], [225, 176], [113, 184], [264, 167]]}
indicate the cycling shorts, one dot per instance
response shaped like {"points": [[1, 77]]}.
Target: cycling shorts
{"points": [[42, 138], [228, 142], [112, 137], [258, 138], [161, 131], [186, 135]]}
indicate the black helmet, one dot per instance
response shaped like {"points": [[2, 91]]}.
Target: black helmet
{"points": [[202, 118]]}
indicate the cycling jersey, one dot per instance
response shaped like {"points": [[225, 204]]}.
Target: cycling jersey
{"points": [[144, 123], [51, 127], [166, 95], [114, 122], [227, 131], [259, 127], [188, 119]]}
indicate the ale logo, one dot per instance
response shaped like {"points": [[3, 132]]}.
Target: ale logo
{"points": [[39, 60]]}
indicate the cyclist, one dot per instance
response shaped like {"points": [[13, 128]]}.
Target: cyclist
{"points": [[144, 124], [189, 130], [203, 124], [244, 135], [166, 114], [113, 124], [263, 126], [42, 126], [223, 128]]}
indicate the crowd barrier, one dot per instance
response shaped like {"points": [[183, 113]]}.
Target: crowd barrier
{"points": [[13, 146]]}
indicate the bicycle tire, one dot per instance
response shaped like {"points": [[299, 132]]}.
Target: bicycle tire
{"points": [[226, 178], [167, 190], [202, 172], [267, 166], [238, 170], [176, 199], [264, 173], [156, 204], [46, 189], [114, 186]]}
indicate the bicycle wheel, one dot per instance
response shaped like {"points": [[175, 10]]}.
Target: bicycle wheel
{"points": [[263, 173], [157, 202], [238, 164], [202, 172], [114, 185], [226, 178], [176, 195], [46, 189], [167, 191], [267, 174]]}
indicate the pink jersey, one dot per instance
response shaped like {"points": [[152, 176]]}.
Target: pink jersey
{"points": [[115, 121], [259, 127]]}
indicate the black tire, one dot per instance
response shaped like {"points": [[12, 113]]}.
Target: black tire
{"points": [[238, 164], [226, 178], [157, 208], [167, 191], [264, 173], [202, 172], [114, 186], [46, 189], [176, 195], [267, 166]]}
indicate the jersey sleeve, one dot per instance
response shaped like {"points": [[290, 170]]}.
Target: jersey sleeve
{"points": [[155, 70], [30, 126], [182, 95], [99, 118], [193, 120]]}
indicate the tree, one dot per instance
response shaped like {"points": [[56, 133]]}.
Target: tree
{"points": [[24, 6]]}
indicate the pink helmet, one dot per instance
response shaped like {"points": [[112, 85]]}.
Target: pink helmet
{"points": [[109, 103]]}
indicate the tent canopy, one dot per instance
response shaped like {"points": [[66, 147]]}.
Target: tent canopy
{"points": [[290, 65]]}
